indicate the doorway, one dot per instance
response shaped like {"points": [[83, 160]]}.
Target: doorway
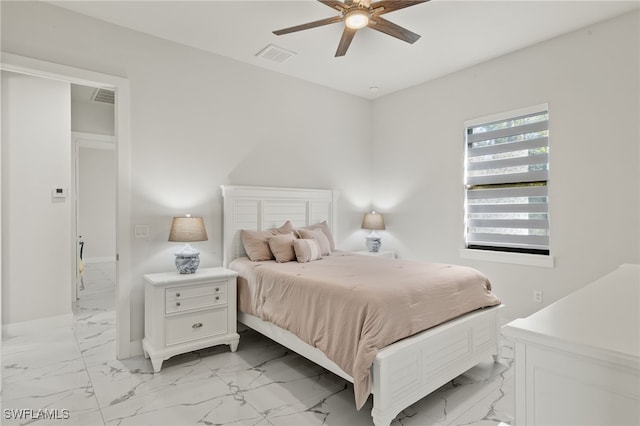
{"points": [[120, 86], [94, 181]]}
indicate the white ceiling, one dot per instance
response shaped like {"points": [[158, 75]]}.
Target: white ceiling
{"points": [[455, 34]]}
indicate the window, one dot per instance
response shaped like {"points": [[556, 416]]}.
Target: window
{"points": [[506, 177]]}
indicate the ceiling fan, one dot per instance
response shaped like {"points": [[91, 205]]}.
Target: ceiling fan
{"points": [[358, 14]]}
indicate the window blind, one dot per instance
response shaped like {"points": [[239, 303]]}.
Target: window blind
{"points": [[506, 174]]}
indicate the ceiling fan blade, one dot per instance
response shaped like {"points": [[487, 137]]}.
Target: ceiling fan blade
{"points": [[308, 25], [388, 27], [391, 5], [334, 4], [345, 41]]}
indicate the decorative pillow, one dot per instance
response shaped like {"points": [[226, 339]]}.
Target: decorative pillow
{"points": [[255, 242], [319, 236], [327, 232], [306, 250], [282, 247]]}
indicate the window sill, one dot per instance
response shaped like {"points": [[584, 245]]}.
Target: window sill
{"points": [[504, 257]]}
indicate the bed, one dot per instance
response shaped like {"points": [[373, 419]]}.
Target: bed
{"points": [[400, 373]]}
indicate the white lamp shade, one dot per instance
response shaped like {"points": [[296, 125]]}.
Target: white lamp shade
{"points": [[373, 221], [187, 229]]}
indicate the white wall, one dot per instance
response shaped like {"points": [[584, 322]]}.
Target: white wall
{"points": [[92, 117], [590, 79], [36, 228], [200, 120], [97, 203]]}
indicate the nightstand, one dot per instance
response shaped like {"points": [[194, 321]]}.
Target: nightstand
{"points": [[391, 254], [186, 312]]}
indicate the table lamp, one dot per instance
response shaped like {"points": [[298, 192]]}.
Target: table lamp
{"points": [[374, 222], [187, 229]]}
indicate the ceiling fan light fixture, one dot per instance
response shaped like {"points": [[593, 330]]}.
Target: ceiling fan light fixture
{"points": [[356, 19], [357, 14]]}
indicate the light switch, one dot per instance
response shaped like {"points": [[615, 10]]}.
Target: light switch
{"points": [[141, 231]]}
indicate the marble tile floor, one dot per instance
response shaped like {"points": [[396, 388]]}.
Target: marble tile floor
{"points": [[72, 374]]}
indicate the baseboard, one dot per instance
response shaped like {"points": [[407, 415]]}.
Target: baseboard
{"points": [[36, 326], [105, 259]]}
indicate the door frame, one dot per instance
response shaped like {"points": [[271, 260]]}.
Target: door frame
{"points": [[44, 69]]}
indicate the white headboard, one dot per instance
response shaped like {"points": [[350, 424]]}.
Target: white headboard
{"points": [[259, 208]]}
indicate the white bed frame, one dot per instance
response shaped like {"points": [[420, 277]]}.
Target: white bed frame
{"points": [[402, 373]]}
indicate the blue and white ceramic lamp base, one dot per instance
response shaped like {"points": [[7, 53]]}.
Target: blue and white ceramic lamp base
{"points": [[187, 264], [373, 244], [187, 260]]}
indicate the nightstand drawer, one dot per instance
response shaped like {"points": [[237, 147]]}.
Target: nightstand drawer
{"points": [[197, 325], [187, 304], [177, 293]]}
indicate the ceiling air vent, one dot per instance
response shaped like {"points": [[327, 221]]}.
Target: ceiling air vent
{"points": [[275, 54], [103, 95]]}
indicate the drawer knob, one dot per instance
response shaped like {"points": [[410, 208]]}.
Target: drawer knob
{"points": [[177, 294], [197, 325], [217, 297], [177, 303], [217, 289]]}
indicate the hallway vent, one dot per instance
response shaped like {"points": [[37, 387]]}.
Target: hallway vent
{"points": [[104, 96]]}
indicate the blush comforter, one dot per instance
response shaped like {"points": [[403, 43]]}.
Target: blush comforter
{"points": [[350, 306]]}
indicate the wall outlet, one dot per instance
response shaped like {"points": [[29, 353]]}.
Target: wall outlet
{"points": [[537, 296]]}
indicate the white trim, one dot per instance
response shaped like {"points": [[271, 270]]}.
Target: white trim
{"points": [[37, 326], [39, 68], [543, 261], [93, 140]]}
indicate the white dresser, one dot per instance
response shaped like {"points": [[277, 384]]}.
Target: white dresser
{"points": [[577, 361], [186, 312]]}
